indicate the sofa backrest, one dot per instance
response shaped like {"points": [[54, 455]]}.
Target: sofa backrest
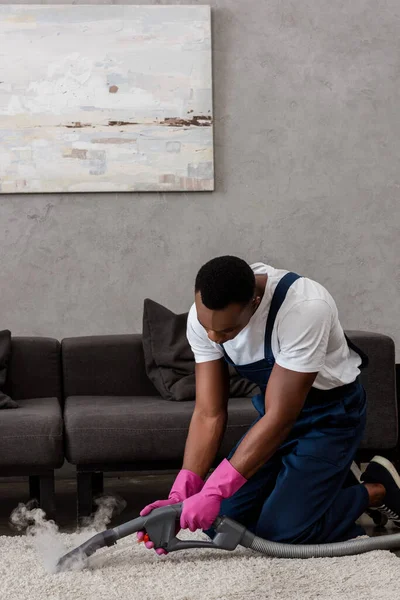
{"points": [[105, 365], [34, 369], [113, 365], [379, 380]]}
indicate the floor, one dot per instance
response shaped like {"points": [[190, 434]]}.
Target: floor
{"points": [[136, 490]]}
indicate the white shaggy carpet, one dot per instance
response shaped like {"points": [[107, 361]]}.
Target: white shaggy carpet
{"points": [[128, 572]]}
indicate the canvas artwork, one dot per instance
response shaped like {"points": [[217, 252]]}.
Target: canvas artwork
{"points": [[105, 98]]}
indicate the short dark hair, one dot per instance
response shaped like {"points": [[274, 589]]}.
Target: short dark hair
{"points": [[225, 280]]}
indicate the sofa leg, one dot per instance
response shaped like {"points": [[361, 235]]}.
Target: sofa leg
{"points": [[97, 483], [34, 488], [47, 494], [84, 495]]}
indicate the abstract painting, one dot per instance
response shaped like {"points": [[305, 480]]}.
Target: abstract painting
{"points": [[105, 98]]}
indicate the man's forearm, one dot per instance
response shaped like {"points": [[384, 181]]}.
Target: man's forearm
{"points": [[261, 442], [204, 439]]}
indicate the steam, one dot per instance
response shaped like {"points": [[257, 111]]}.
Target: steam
{"points": [[44, 534], [46, 537], [107, 507]]}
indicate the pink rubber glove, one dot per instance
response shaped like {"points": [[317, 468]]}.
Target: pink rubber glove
{"points": [[201, 510], [185, 485]]}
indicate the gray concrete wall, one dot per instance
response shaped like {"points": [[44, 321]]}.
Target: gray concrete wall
{"points": [[307, 140]]}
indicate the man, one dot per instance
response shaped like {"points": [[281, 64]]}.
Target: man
{"points": [[286, 479]]}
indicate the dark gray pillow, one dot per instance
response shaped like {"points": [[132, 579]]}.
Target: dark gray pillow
{"points": [[5, 351], [169, 359]]}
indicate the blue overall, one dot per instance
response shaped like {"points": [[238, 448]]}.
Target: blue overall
{"points": [[299, 495]]}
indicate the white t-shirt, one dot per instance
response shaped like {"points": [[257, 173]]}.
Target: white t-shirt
{"points": [[307, 334]]}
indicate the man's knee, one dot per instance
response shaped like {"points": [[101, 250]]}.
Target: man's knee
{"points": [[288, 531]]}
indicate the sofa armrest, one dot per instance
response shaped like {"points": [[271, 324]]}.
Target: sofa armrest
{"points": [[379, 380]]}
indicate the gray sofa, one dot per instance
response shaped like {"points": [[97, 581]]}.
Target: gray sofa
{"points": [[31, 436], [116, 420]]}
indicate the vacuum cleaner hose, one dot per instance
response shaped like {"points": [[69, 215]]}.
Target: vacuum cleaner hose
{"points": [[358, 546]]}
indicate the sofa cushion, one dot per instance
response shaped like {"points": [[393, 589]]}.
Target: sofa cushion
{"points": [[34, 370], [139, 429], [105, 365], [5, 351], [169, 358], [32, 436]]}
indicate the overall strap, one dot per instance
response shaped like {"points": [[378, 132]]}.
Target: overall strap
{"points": [[277, 300], [226, 355], [357, 350]]}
